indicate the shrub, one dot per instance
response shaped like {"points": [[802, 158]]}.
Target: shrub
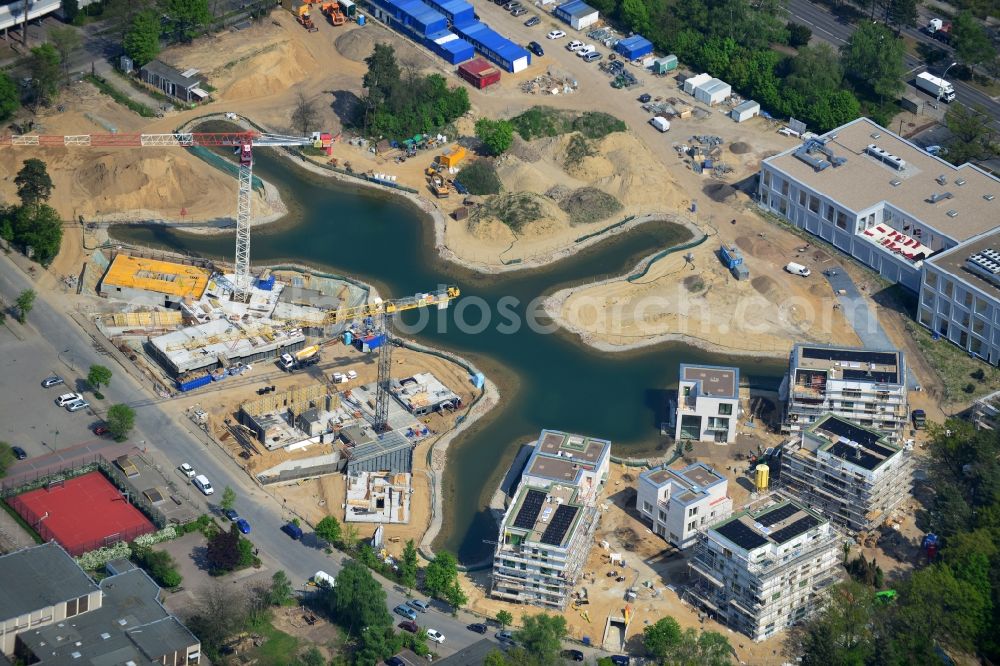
{"points": [[798, 34], [480, 177], [597, 124], [96, 559]]}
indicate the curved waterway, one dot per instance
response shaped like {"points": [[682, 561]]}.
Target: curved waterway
{"points": [[547, 380]]}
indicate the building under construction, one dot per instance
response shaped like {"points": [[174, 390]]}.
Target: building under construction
{"points": [[153, 282], [220, 343], [423, 393], [854, 475]]}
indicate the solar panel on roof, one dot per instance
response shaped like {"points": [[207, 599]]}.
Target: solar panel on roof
{"points": [[559, 525], [855, 454], [879, 377], [530, 508], [880, 358], [798, 527], [849, 431], [741, 535], [777, 515]]}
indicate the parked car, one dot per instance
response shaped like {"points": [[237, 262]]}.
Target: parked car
{"points": [[243, 525], [511, 4], [18, 452], [187, 470], [231, 515], [202, 483], [67, 398], [556, 34], [292, 530], [77, 405], [418, 604], [49, 382], [409, 625], [435, 635], [505, 636], [520, 11], [536, 48], [405, 611], [585, 49], [532, 22], [572, 655], [592, 56], [620, 660], [645, 98], [101, 429], [395, 661], [575, 45], [352, 375], [478, 627]]}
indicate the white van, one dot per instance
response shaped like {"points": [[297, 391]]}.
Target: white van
{"points": [[323, 579], [201, 483], [798, 269], [585, 50], [660, 123], [574, 45]]}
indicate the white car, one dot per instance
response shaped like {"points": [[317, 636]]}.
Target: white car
{"points": [[584, 50], [574, 45], [556, 34], [187, 470], [67, 398], [202, 483], [339, 378], [351, 374], [77, 405], [435, 635]]}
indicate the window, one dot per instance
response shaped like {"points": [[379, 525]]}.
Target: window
{"points": [[930, 279], [72, 607], [663, 515], [782, 205], [980, 306], [647, 507], [814, 204], [693, 511], [976, 347], [802, 198], [927, 298], [967, 299], [946, 288], [725, 409], [693, 525], [775, 596], [847, 404], [828, 213], [978, 326], [841, 220], [767, 178], [784, 188]]}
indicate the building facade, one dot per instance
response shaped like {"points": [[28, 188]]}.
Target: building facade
{"points": [[679, 503], [548, 529], [853, 475], [708, 403], [764, 570], [867, 387]]}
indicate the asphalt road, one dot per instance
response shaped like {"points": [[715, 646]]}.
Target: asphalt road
{"points": [[27, 411], [831, 29]]}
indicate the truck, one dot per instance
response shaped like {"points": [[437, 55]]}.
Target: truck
{"points": [[939, 30], [660, 123], [938, 88], [301, 358], [797, 269], [919, 418], [323, 579]]}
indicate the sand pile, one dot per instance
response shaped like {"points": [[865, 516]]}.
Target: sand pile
{"points": [[767, 287], [358, 44], [269, 73], [636, 178], [740, 148], [526, 213], [719, 191], [518, 176]]}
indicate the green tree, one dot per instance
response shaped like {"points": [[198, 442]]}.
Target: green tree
{"points": [[357, 600], [408, 567], [70, 9], [440, 574], [160, 565], [121, 420], [10, 99], [872, 59], [381, 80], [456, 596], [33, 182], [496, 135], [188, 16], [312, 657], [901, 13], [228, 499], [662, 637], [798, 34], [98, 376], [541, 636], [280, 593], [972, 44], [708, 648], [939, 608], [25, 302], [35, 226], [328, 529], [44, 65], [7, 458], [635, 15], [224, 551], [504, 619], [142, 41], [67, 40]]}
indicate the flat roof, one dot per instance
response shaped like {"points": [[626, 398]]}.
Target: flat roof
{"points": [[40, 576], [689, 483], [422, 390], [713, 380], [852, 443], [546, 516], [563, 457], [953, 261], [222, 337], [863, 182], [775, 524], [851, 363], [162, 277]]}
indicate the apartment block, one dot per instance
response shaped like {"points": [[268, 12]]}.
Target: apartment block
{"points": [[866, 387], [52, 612], [763, 570], [548, 528], [708, 403], [678, 503], [853, 475], [986, 412]]}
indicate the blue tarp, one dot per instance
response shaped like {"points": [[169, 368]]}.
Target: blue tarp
{"points": [[634, 47], [451, 47], [459, 12], [494, 46]]}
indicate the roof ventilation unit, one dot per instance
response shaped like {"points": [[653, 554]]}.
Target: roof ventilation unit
{"points": [[989, 197], [875, 135], [941, 180], [960, 182], [885, 157], [895, 182], [934, 198], [985, 263], [952, 213]]}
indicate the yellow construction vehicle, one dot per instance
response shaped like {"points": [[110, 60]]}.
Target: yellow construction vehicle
{"points": [[305, 19], [332, 12], [437, 184]]}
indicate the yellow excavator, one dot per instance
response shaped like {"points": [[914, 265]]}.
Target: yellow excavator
{"points": [[305, 19]]}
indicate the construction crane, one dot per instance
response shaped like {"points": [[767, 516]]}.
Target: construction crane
{"points": [[382, 311], [242, 140]]}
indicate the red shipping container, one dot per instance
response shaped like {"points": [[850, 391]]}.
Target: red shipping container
{"points": [[479, 73]]}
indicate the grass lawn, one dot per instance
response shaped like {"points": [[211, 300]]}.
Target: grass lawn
{"points": [[277, 648], [955, 367]]}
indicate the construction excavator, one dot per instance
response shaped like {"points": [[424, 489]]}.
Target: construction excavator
{"points": [[333, 13], [305, 19]]}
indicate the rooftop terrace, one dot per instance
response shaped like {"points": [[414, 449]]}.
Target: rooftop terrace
{"points": [[546, 517], [775, 524], [715, 381]]}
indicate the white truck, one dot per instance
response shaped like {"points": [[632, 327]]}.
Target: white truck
{"points": [[323, 579], [660, 123], [300, 358], [936, 87], [797, 269]]}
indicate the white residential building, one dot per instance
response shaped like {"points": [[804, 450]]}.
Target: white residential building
{"points": [[764, 570], [852, 474], [678, 503], [708, 403], [548, 528], [867, 387]]}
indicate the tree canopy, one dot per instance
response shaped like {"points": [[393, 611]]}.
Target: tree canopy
{"points": [[496, 135], [45, 72], [10, 98], [973, 45], [188, 16], [541, 636], [142, 41], [121, 420], [357, 600], [662, 637], [873, 60], [34, 185], [98, 376], [37, 227]]}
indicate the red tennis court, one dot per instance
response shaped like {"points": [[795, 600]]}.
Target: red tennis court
{"points": [[82, 514]]}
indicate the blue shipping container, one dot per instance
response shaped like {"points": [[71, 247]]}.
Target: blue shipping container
{"points": [[495, 47], [634, 47], [451, 47], [194, 383]]}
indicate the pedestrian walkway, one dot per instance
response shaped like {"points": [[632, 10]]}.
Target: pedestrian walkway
{"points": [[103, 69], [861, 317]]}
